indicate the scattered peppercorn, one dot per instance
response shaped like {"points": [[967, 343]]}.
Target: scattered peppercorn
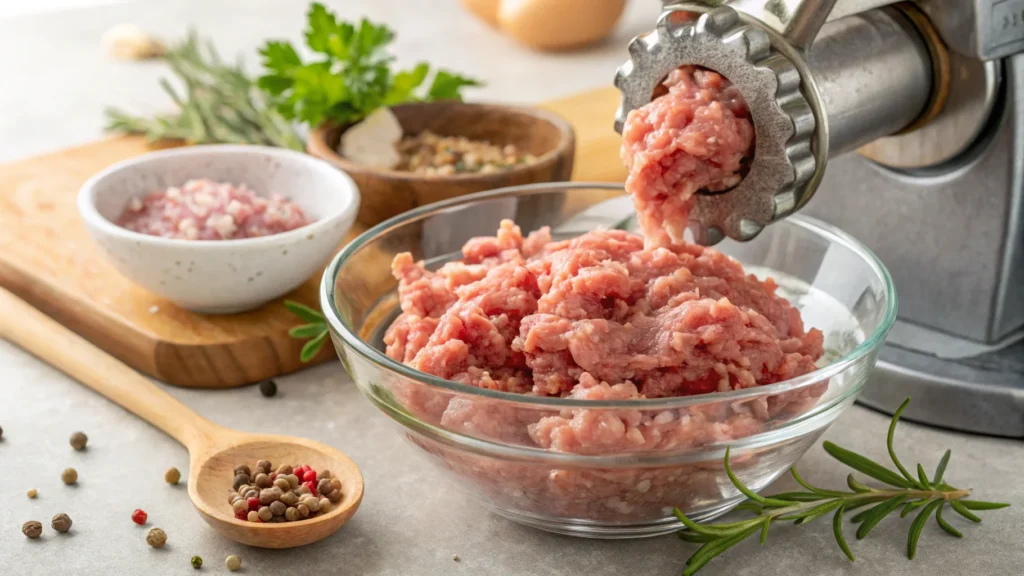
{"points": [[32, 529], [233, 562], [61, 522], [69, 476], [1, 432], [455, 557], [79, 440], [268, 388], [197, 562], [172, 476], [156, 538], [32, 493], [139, 516]]}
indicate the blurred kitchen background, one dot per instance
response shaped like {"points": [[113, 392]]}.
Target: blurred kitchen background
{"points": [[64, 38]]}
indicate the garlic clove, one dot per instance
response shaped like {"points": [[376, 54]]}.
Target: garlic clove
{"points": [[372, 141], [129, 42]]}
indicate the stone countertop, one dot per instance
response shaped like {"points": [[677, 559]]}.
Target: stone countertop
{"points": [[56, 82]]}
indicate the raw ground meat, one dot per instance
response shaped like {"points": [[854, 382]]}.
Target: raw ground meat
{"points": [[610, 315], [695, 137], [597, 317], [206, 210]]}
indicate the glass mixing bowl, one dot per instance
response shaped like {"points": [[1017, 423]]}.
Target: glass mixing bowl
{"points": [[481, 438]]}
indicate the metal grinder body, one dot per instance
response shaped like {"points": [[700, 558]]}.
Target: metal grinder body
{"points": [[917, 108]]}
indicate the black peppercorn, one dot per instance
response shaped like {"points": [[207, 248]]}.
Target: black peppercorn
{"points": [[268, 388]]}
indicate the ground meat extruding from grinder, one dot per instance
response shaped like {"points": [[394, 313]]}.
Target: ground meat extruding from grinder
{"points": [[694, 137]]}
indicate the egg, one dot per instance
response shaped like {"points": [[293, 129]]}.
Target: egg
{"points": [[486, 10], [551, 25]]}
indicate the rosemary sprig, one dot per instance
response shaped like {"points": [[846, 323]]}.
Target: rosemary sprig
{"points": [[314, 331], [906, 491], [220, 104]]}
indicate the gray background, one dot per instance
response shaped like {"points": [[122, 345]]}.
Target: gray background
{"points": [[55, 82]]}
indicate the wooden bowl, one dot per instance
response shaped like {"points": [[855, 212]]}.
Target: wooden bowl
{"points": [[387, 193]]}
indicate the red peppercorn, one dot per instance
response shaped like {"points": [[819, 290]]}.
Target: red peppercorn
{"points": [[139, 517], [273, 476], [309, 476], [242, 515], [299, 471], [254, 504], [312, 487]]}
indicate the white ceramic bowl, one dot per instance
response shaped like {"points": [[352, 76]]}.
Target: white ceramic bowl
{"points": [[222, 276]]}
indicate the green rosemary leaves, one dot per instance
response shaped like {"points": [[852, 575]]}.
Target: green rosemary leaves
{"points": [[314, 331], [905, 491]]}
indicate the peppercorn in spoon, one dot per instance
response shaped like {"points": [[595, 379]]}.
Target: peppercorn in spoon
{"points": [[214, 451]]}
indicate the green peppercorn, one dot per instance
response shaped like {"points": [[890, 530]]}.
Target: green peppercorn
{"points": [[265, 514], [197, 562], [233, 563], [79, 440], [282, 483], [303, 510], [325, 505], [172, 476], [268, 388], [290, 498], [291, 514]]}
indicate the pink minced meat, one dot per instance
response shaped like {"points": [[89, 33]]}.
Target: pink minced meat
{"points": [[692, 138], [206, 210], [596, 317]]}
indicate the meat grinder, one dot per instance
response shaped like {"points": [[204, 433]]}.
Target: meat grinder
{"points": [[916, 108]]}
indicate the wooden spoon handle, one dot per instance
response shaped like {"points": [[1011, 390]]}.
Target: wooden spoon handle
{"points": [[42, 336]]}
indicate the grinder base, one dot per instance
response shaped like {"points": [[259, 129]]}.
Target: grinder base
{"points": [[982, 394]]}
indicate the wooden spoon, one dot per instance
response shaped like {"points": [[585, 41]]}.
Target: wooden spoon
{"points": [[214, 451]]}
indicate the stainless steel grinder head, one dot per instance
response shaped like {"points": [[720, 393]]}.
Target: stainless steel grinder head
{"points": [[783, 166]]}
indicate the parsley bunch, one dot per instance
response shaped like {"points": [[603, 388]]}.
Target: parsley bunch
{"points": [[351, 76]]}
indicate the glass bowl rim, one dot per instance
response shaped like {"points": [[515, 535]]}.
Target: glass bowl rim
{"points": [[381, 360]]}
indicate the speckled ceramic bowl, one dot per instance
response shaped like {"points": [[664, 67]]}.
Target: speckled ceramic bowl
{"points": [[222, 276]]}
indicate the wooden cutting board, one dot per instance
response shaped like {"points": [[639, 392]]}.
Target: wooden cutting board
{"points": [[48, 260]]}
